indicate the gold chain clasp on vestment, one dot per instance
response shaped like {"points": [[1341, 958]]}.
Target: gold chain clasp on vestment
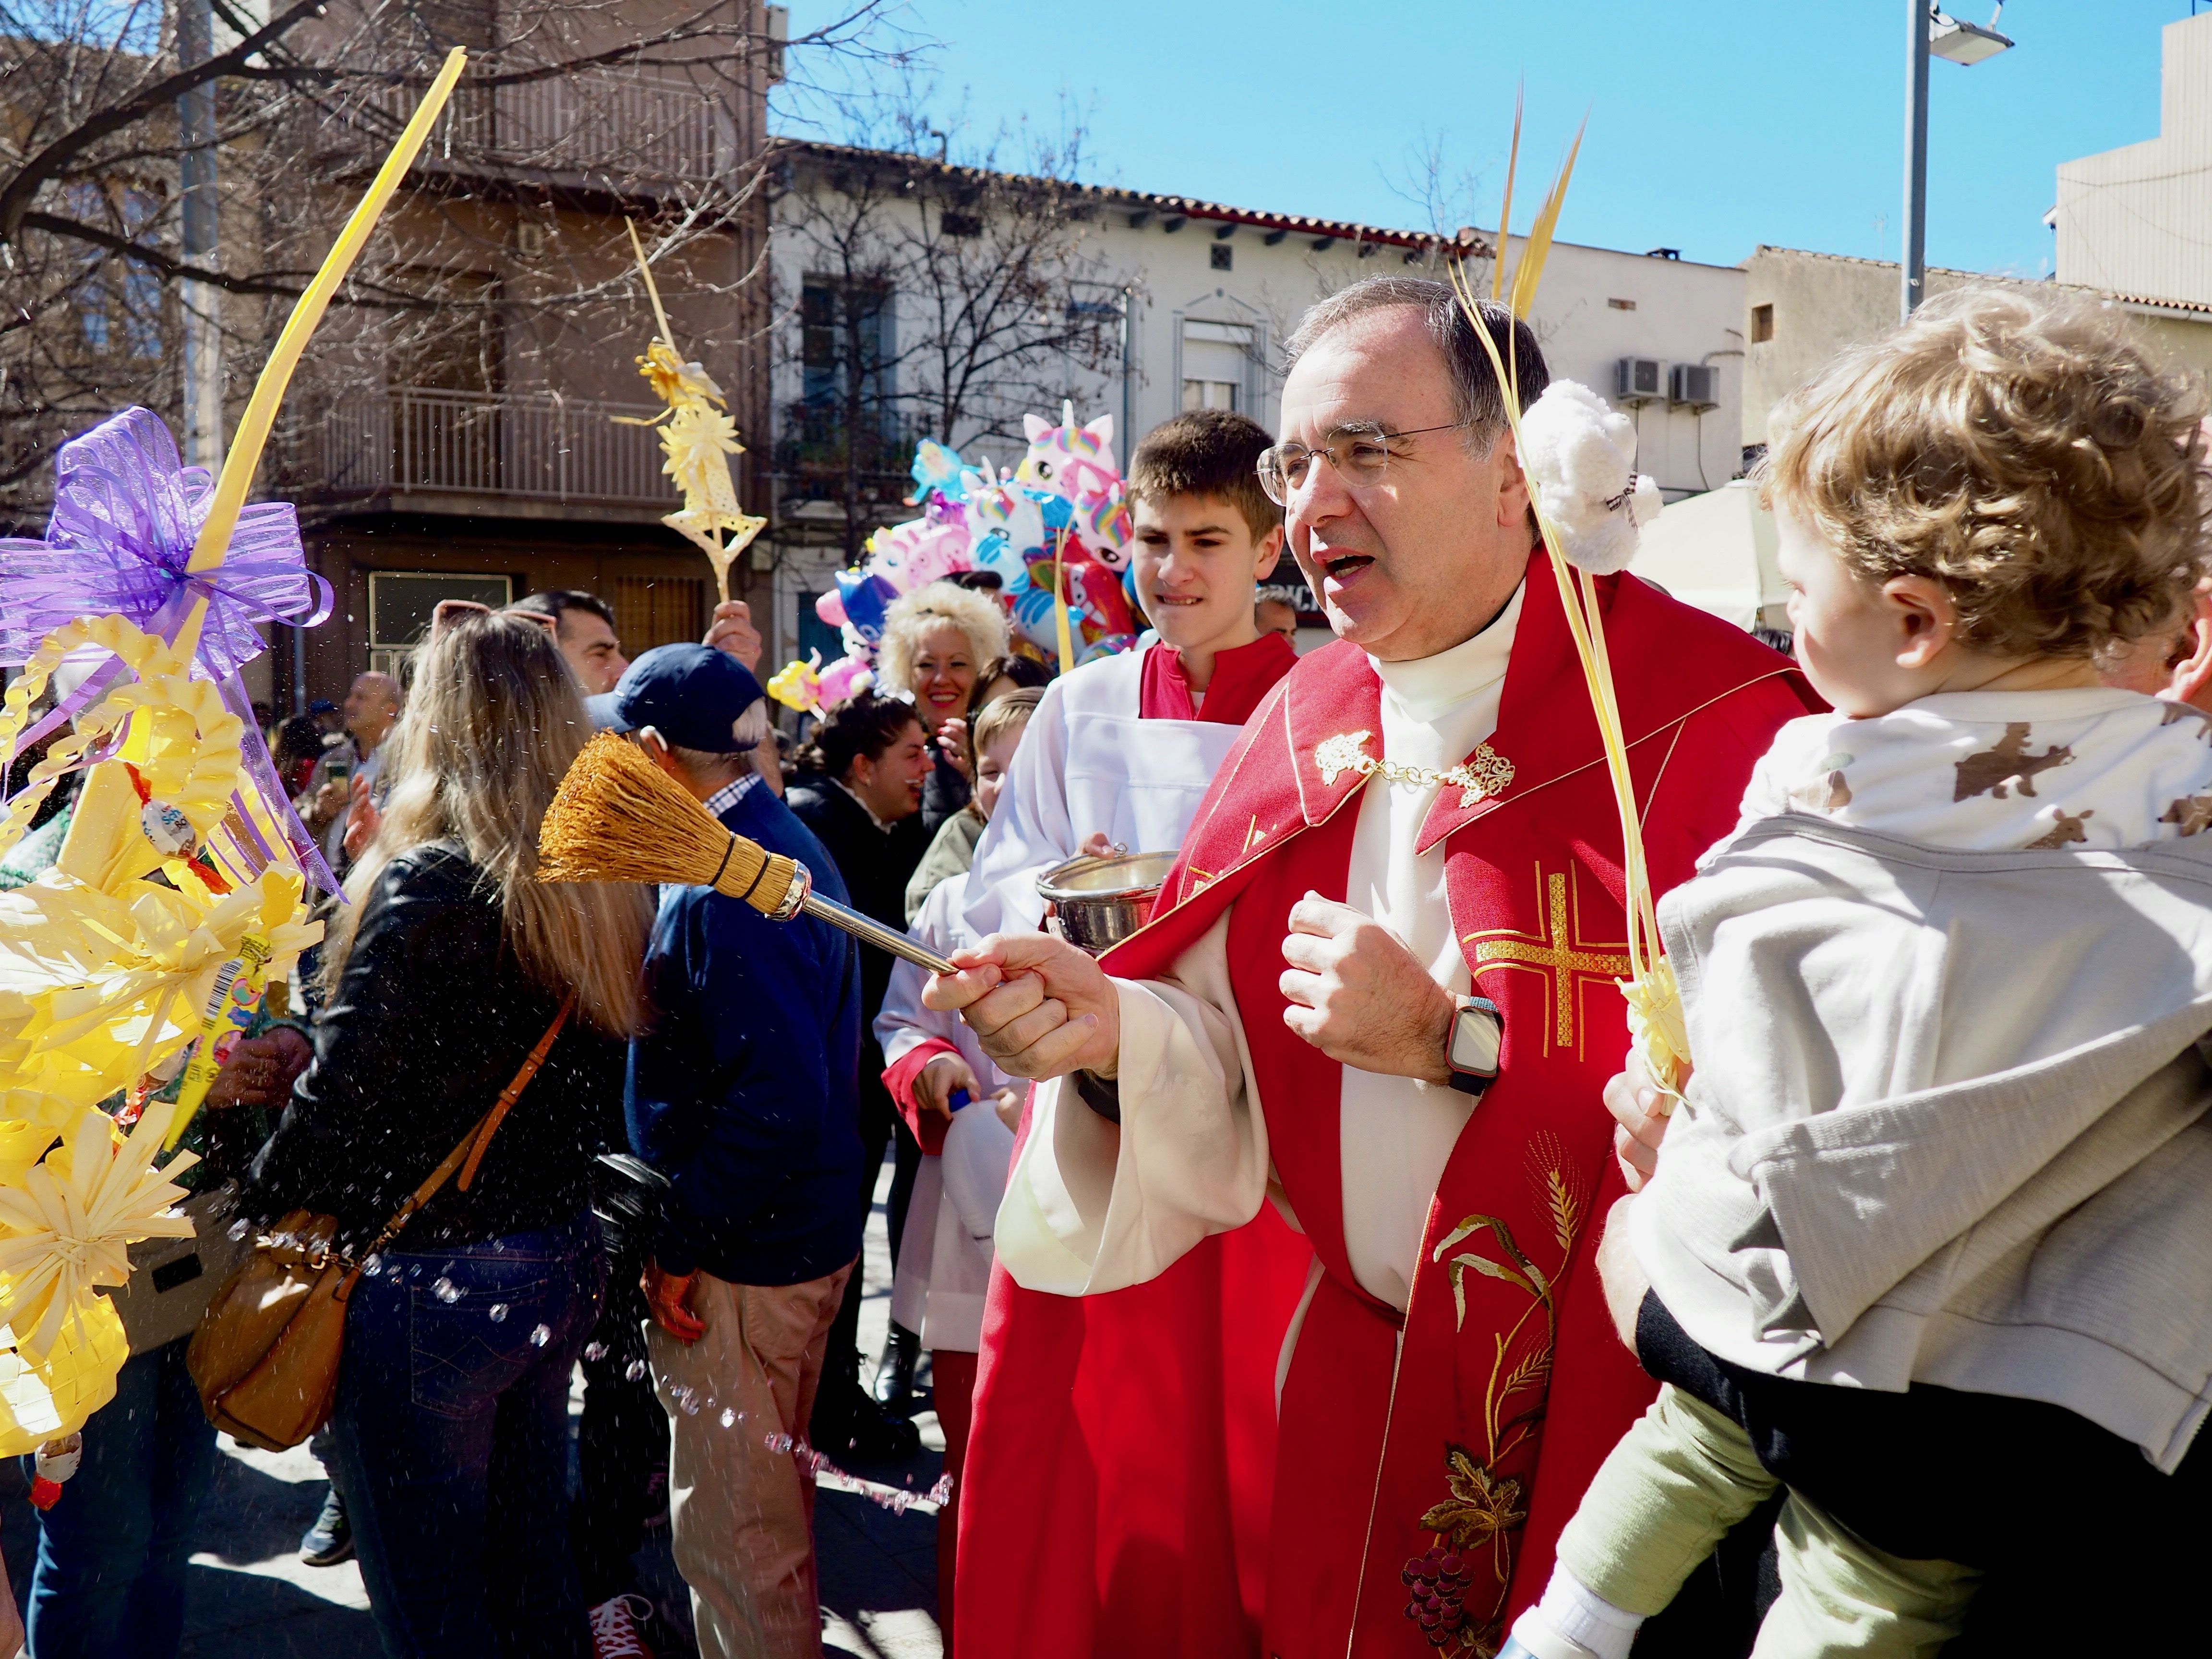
{"points": [[1482, 775]]}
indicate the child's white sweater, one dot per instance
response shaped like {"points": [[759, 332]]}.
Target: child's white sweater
{"points": [[1943, 987]]}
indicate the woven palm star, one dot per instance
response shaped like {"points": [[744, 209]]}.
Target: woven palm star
{"points": [[674, 381], [699, 441], [67, 1225]]}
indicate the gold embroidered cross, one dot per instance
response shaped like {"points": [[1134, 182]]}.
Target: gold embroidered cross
{"points": [[1482, 775], [1552, 951]]}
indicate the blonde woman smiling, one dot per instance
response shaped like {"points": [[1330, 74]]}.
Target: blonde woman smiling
{"points": [[935, 641]]}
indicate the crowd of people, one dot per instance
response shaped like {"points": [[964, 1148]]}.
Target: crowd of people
{"points": [[1316, 1272]]}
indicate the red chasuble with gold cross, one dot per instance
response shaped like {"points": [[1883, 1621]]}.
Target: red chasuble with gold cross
{"points": [[1421, 1466]]}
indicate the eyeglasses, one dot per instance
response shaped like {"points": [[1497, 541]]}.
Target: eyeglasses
{"points": [[447, 612], [1360, 453]]}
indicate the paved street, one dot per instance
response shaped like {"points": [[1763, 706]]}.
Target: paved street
{"points": [[249, 1596]]}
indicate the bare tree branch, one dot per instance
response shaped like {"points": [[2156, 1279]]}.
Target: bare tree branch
{"points": [[15, 195]]}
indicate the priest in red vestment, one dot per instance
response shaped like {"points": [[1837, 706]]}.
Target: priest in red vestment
{"points": [[1378, 998]]}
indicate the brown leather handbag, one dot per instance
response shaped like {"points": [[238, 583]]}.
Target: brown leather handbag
{"points": [[266, 1356]]}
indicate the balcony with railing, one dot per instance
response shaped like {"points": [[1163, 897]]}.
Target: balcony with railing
{"points": [[617, 123], [412, 447]]}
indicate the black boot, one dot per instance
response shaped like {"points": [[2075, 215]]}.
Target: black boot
{"points": [[847, 1425], [895, 1371]]}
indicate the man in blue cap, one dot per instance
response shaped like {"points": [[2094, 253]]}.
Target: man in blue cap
{"points": [[744, 1090]]}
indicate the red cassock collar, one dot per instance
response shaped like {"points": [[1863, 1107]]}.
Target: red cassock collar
{"points": [[1242, 676]]}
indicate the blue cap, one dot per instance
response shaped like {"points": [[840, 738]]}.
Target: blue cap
{"points": [[692, 695]]}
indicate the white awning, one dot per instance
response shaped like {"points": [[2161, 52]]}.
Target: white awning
{"points": [[1716, 551]]}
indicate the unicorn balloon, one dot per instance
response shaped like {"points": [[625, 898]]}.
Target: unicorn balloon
{"points": [[1077, 463], [1021, 532]]}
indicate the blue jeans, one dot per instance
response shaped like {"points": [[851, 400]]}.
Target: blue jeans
{"points": [[109, 1582], [452, 1443]]}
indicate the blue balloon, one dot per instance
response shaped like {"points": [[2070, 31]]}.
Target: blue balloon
{"points": [[864, 598]]}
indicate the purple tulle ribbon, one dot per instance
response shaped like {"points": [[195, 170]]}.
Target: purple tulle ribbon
{"points": [[125, 514]]}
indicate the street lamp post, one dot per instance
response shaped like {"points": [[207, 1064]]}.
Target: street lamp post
{"points": [[1928, 31], [201, 302], [1915, 262]]}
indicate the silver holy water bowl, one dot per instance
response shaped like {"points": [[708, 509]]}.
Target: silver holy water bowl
{"points": [[1101, 902]]}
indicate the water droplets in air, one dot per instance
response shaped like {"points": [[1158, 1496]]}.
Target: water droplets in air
{"points": [[499, 1313], [540, 1336], [446, 1290]]}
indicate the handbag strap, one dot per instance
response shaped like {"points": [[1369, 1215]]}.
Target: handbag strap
{"points": [[469, 1153]]}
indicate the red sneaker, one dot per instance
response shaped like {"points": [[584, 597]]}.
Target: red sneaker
{"points": [[614, 1628]]}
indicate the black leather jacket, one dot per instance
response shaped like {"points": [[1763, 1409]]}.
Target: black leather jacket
{"points": [[431, 1020]]}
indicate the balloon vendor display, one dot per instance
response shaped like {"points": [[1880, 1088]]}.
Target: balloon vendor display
{"points": [[698, 439], [179, 888], [1055, 530]]}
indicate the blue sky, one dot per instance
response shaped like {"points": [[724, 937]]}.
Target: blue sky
{"points": [[1713, 126]]}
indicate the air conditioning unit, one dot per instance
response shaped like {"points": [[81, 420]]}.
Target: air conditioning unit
{"points": [[1640, 381], [1695, 385]]}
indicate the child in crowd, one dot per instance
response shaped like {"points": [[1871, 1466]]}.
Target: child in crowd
{"points": [[1928, 1238], [1125, 747], [953, 851], [931, 1059]]}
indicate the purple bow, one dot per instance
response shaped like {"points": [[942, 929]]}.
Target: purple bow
{"points": [[125, 514]]}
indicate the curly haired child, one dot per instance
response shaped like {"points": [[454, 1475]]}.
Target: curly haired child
{"points": [[1934, 1215]]}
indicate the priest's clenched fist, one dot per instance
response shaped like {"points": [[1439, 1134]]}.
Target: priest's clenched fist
{"points": [[1039, 1006], [1358, 995]]}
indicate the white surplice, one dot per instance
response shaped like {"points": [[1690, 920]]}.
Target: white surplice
{"points": [[1091, 1206], [945, 1254], [1087, 762]]}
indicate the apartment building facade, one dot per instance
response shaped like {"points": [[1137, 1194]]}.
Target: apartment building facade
{"points": [[479, 437], [1141, 305]]}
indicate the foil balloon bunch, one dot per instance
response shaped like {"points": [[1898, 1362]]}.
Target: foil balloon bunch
{"points": [[179, 888], [1055, 530]]}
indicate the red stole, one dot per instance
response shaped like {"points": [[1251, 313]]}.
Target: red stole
{"points": [[1456, 1458], [1242, 676]]}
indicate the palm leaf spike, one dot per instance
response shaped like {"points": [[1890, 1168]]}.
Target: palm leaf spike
{"points": [[1063, 636], [1538, 247], [1506, 213], [1654, 1014], [652, 289], [240, 462]]}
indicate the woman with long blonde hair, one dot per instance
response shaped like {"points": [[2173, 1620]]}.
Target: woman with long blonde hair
{"points": [[449, 963]]}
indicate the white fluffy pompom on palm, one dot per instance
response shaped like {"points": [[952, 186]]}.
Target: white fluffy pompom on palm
{"points": [[1581, 455]]}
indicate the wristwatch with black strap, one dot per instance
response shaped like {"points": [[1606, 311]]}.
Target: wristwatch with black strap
{"points": [[1477, 1034]]}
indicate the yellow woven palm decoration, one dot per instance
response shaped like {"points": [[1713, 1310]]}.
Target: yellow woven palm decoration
{"points": [[1656, 1030], [107, 959], [697, 438]]}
